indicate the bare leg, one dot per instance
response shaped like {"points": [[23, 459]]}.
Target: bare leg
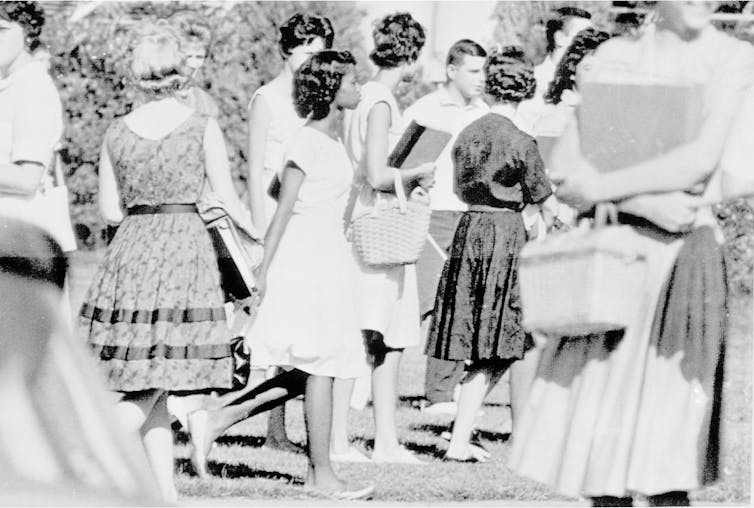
{"points": [[318, 416], [158, 443], [276, 435], [134, 409], [342, 389], [522, 376], [385, 363], [474, 388], [263, 397]]}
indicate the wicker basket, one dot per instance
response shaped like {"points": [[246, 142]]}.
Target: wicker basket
{"points": [[581, 282], [393, 231]]}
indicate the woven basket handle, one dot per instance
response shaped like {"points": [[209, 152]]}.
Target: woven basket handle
{"points": [[400, 191], [604, 214]]}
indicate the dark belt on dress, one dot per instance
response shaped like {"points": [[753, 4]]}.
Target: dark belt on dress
{"points": [[164, 208], [488, 208], [637, 222]]}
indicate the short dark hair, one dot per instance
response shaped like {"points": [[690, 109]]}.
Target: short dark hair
{"points": [[585, 42], [398, 38], [558, 21], [302, 29], [461, 48], [318, 80], [29, 15], [509, 75]]}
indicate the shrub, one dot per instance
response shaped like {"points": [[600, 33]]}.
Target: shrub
{"points": [[90, 59]]}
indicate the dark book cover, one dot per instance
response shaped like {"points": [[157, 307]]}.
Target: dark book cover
{"points": [[418, 145]]}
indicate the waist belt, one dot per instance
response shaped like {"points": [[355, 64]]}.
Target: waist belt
{"points": [[165, 208], [637, 222], [487, 208]]}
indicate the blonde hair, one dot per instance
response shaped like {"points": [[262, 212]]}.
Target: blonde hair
{"points": [[157, 59]]}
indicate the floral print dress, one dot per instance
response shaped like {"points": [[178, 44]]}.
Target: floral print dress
{"points": [[154, 315]]}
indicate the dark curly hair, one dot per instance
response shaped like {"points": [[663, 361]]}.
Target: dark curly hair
{"points": [[318, 80], [398, 38], [29, 15], [585, 42], [510, 75], [558, 21], [302, 29]]}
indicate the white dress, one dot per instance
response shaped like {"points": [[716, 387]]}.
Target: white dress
{"points": [[284, 122], [307, 319], [388, 296]]}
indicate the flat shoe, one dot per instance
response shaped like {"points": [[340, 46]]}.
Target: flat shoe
{"points": [[470, 459], [400, 456], [197, 431], [352, 494], [347, 494]]}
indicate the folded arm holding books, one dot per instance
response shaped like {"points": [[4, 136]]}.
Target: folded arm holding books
{"points": [[656, 188], [379, 174]]}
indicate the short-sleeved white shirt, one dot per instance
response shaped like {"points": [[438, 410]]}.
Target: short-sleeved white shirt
{"points": [[329, 173], [31, 121], [438, 110], [31, 125]]}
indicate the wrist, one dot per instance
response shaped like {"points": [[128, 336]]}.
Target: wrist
{"points": [[598, 189]]}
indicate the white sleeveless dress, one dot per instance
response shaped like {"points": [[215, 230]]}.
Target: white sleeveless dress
{"points": [[284, 122], [388, 297]]}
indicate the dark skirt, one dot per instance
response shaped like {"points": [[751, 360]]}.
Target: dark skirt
{"points": [[609, 415], [477, 312], [690, 322]]}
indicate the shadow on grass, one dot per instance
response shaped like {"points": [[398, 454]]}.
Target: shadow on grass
{"points": [[419, 401], [439, 429], [237, 471], [181, 438], [419, 449]]}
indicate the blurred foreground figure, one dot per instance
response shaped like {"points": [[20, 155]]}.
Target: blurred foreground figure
{"points": [[59, 442]]}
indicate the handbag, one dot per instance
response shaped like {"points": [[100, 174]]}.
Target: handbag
{"points": [[52, 205], [583, 281], [392, 230], [238, 246], [241, 362]]}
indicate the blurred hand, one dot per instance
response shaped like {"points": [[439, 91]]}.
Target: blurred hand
{"points": [[426, 175], [672, 211], [577, 187]]}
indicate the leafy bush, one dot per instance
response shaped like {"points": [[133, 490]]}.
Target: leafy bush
{"points": [[90, 61]]}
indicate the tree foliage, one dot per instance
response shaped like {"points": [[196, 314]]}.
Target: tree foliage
{"points": [[90, 61]]}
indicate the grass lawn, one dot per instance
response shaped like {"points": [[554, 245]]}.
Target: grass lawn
{"points": [[244, 472]]}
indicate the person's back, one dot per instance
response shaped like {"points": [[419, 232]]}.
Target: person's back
{"points": [[158, 155]]}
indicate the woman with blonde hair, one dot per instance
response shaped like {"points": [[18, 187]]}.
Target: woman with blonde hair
{"points": [[154, 314], [196, 41]]}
